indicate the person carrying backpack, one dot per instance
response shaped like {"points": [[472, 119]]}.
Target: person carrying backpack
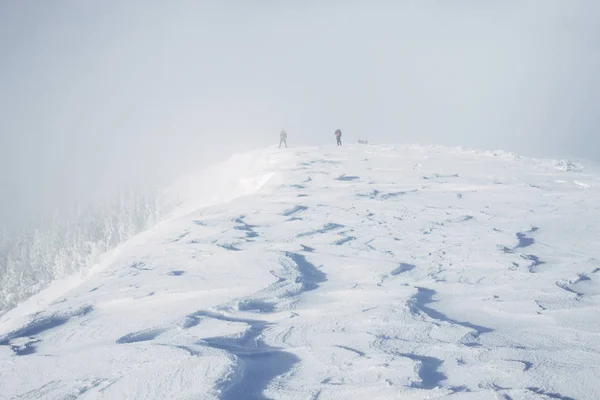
{"points": [[338, 136]]}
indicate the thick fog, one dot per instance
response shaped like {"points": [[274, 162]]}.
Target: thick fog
{"points": [[97, 95]]}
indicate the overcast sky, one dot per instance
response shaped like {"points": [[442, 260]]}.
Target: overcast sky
{"points": [[96, 94]]}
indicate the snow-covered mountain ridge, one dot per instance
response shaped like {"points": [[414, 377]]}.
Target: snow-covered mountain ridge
{"points": [[382, 272]]}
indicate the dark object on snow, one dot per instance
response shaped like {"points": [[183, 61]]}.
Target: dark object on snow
{"points": [[338, 136], [283, 139]]}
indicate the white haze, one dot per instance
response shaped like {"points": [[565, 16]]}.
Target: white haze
{"points": [[96, 96]]}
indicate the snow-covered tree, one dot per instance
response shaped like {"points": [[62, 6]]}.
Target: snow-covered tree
{"points": [[32, 258]]}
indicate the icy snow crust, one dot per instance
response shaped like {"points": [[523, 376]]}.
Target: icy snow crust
{"points": [[318, 273]]}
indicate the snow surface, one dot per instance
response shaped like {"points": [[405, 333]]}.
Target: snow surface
{"points": [[335, 273]]}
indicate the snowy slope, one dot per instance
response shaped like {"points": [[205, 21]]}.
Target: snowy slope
{"points": [[318, 273]]}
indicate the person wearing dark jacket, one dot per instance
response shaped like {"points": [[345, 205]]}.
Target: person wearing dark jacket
{"points": [[338, 136]]}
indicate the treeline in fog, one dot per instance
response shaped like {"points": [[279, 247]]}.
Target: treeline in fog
{"points": [[68, 242]]}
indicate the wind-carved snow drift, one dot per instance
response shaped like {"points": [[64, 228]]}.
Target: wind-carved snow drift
{"points": [[358, 272]]}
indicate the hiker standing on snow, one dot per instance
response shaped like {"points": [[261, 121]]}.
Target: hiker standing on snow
{"points": [[338, 136], [283, 139]]}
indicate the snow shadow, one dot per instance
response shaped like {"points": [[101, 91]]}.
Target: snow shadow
{"points": [[542, 392], [567, 288], [424, 296], [243, 226], [391, 195], [25, 349], [229, 246], [579, 285], [176, 273], [294, 210], [524, 240], [428, 371], [183, 235], [299, 276], [456, 220], [310, 276], [527, 365], [343, 240], [535, 262], [403, 267], [37, 327], [352, 350], [463, 218], [371, 195], [258, 363], [326, 228], [347, 178], [140, 266], [259, 369], [141, 336]]}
